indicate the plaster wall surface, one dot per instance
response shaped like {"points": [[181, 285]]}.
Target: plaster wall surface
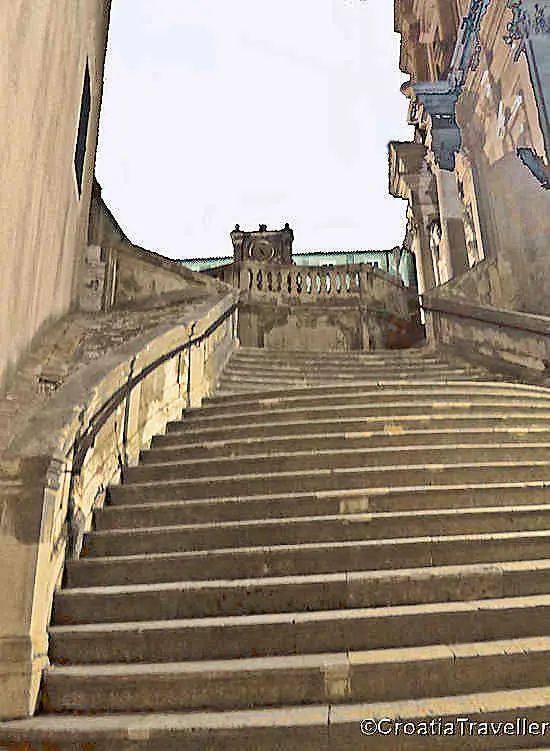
{"points": [[44, 47]]}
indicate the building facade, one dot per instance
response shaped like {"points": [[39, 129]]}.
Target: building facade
{"points": [[475, 176], [53, 54]]}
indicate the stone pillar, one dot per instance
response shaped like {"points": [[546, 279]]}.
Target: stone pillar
{"points": [[421, 249], [451, 211]]}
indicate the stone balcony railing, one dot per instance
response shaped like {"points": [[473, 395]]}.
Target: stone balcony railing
{"points": [[318, 307], [314, 282]]}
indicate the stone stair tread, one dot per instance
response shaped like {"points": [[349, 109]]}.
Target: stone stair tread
{"points": [[370, 435], [429, 572], [366, 450], [329, 472], [357, 493], [348, 518], [368, 387], [335, 544], [371, 657], [323, 726], [315, 617], [466, 402], [456, 417]]}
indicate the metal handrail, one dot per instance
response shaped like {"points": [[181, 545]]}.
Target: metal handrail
{"points": [[84, 442]]}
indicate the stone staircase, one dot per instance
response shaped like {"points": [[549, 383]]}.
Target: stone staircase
{"points": [[330, 538]]}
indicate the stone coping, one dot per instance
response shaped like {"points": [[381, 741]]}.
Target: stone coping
{"points": [[525, 322], [80, 353]]}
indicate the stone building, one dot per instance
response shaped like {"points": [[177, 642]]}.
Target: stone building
{"points": [[475, 174], [53, 54]]}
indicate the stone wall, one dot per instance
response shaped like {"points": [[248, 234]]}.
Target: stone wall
{"points": [[45, 47], [60, 460], [117, 273]]}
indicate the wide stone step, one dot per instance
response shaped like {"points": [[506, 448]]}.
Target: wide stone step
{"points": [[300, 632], [304, 365], [483, 405], [169, 560], [324, 727], [307, 359], [318, 480], [337, 527], [338, 392], [161, 453], [373, 675], [184, 432], [351, 589], [297, 505], [378, 394], [244, 381], [338, 372], [181, 468]]}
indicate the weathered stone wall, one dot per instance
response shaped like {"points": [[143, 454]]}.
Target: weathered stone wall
{"points": [[65, 440], [43, 50], [117, 273]]}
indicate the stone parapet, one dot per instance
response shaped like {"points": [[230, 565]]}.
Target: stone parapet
{"points": [[57, 468], [505, 341]]}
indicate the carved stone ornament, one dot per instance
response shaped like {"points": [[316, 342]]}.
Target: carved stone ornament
{"points": [[468, 48], [264, 245], [529, 19], [439, 101]]}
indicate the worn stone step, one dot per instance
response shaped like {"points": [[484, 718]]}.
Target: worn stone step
{"points": [[373, 675], [328, 479], [338, 392], [377, 393], [348, 526], [324, 727], [306, 359], [181, 468], [183, 432], [352, 589], [244, 381], [266, 354], [279, 506], [320, 364], [172, 555], [160, 453], [300, 632], [354, 408], [337, 372], [321, 727]]}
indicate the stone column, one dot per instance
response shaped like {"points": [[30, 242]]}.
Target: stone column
{"points": [[421, 249]]}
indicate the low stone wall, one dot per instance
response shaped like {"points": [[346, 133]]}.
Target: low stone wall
{"points": [[56, 471], [517, 344], [353, 307]]}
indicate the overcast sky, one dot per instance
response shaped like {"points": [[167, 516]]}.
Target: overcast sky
{"points": [[252, 111]]}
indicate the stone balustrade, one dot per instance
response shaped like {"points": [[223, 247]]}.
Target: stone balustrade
{"points": [[354, 306], [346, 281]]}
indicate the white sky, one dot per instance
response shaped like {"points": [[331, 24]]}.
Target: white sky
{"points": [[252, 111]]}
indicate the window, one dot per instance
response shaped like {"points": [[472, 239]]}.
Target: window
{"points": [[80, 150]]}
